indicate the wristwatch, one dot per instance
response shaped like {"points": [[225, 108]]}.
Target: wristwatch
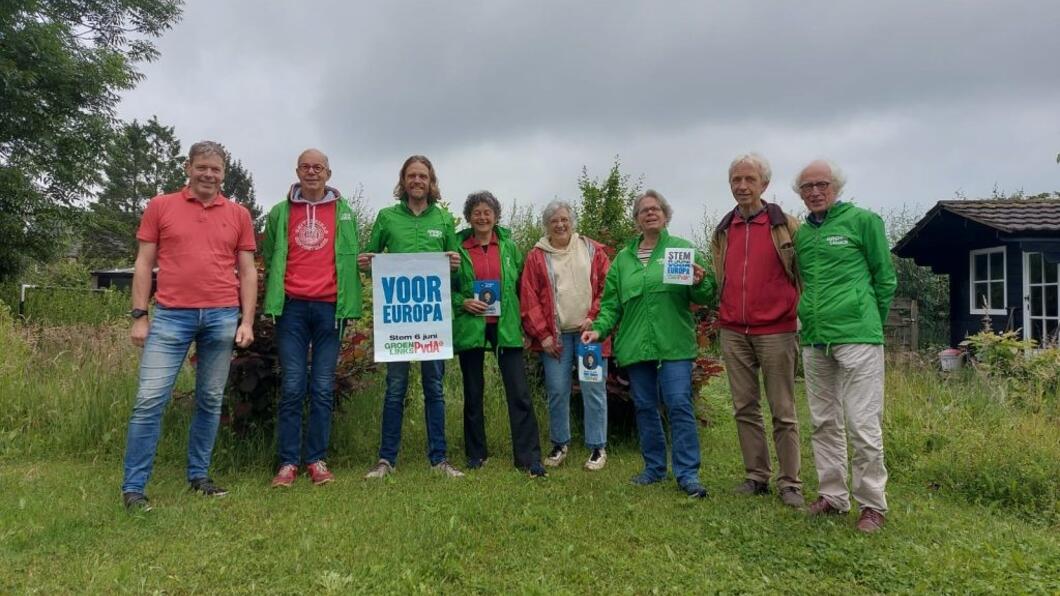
{"points": [[137, 313]]}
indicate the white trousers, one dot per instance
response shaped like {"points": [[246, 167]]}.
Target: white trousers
{"points": [[844, 389]]}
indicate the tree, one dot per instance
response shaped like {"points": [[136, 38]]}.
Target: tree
{"points": [[239, 186], [62, 64], [605, 212], [142, 161]]}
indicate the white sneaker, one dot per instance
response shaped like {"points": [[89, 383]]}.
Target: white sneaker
{"points": [[380, 470], [597, 460], [556, 456], [444, 467]]}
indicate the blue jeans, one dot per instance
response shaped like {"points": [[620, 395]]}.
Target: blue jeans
{"points": [[558, 376], [670, 381], [306, 323], [171, 334], [397, 385]]}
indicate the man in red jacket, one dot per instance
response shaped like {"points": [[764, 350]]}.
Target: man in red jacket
{"points": [[754, 263]]}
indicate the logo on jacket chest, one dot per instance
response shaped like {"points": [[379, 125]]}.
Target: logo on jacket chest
{"points": [[837, 240], [434, 233]]}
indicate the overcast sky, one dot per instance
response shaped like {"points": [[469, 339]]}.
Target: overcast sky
{"points": [[915, 100]]}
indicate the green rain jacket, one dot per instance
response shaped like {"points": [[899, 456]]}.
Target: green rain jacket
{"points": [[274, 252], [469, 331], [848, 277], [654, 319], [398, 230]]}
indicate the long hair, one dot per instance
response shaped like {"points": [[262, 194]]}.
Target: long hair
{"points": [[433, 194]]}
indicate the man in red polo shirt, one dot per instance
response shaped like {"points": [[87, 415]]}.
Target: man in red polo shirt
{"points": [[754, 263], [198, 239]]}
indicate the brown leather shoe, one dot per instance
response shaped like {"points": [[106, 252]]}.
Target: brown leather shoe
{"points": [[822, 507], [792, 497], [751, 487], [870, 521]]}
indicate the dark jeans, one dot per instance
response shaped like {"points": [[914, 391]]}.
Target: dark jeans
{"points": [[670, 382], [526, 444], [306, 327], [397, 385]]}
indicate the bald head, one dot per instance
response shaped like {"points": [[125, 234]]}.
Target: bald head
{"points": [[313, 173], [316, 153]]}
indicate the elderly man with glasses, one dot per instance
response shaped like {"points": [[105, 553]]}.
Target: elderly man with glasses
{"points": [[848, 283]]}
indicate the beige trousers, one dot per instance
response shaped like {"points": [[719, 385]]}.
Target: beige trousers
{"points": [[844, 389], [775, 355]]}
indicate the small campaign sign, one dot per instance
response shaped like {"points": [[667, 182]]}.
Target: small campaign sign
{"points": [[590, 358], [411, 308], [489, 292], [677, 266]]}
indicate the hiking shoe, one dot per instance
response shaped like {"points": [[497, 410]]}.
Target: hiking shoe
{"points": [[556, 456], [644, 479], [381, 469], [476, 463], [444, 467], [319, 473], [206, 487], [285, 477], [538, 471], [792, 497], [870, 521], [597, 460], [135, 502], [822, 507], [694, 489], [751, 487]]}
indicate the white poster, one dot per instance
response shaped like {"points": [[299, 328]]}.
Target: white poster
{"points": [[411, 307], [678, 266]]}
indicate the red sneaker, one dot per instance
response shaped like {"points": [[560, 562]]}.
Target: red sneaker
{"points": [[285, 477], [319, 474]]}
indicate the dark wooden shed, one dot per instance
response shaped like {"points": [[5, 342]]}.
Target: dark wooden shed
{"points": [[1003, 260]]}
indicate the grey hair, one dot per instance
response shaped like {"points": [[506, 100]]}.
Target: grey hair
{"points": [[839, 179], [327, 163], [755, 160], [205, 148], [555, 206], [654, 194], [477, 198]]}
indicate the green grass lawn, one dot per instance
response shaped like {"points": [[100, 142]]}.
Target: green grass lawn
{"points": [[972, 495]]}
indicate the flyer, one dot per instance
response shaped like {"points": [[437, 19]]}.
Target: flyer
{"points": [[488, 291], [590, 357], [677, 266]]}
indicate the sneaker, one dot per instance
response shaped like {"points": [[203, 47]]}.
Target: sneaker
{"points": [[597, 460], [381, 469], [135, 502], [870, 521], [476, 463], [644, 479], [792, 497], [751, 487], [206, 487], [556, 456], [319, 473], [444, 467], [538, 471], [694, 489], [822, 507], [285, 477]]}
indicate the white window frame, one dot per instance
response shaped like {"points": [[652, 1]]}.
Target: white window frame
{"points": [[974, 308], [1027, 318]]}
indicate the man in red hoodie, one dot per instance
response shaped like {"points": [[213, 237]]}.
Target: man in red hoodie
{"points": [[754, 263]]}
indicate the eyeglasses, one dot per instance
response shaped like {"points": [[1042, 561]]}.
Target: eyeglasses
{"points": [[651, 209], [808, 187], [314, 168]]}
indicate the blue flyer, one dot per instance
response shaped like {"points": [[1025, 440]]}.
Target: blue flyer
{"points": [[590, 356], [488, 291]]}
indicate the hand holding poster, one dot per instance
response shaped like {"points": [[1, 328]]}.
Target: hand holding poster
{"points": [[677, 266], [413, 316], [489, 292], [589, 358]]}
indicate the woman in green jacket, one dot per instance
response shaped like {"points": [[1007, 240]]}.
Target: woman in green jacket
{"points": [[656, 341], [488, 280]]}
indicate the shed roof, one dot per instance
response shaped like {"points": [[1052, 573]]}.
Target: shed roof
{"points": [[1010, 215]]}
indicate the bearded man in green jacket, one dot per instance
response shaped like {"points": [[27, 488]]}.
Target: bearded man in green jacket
{"points": [[849, 282]]}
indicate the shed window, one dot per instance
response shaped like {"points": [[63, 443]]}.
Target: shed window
{"points": [[987, 281]]}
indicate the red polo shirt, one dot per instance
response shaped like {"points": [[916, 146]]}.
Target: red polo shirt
{"points": [[197, 248], [485, 261]]}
